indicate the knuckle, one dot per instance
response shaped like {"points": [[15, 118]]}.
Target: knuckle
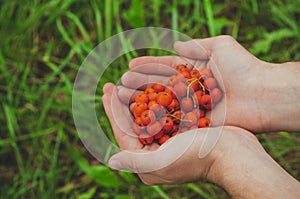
{"points": [[227, 38]]}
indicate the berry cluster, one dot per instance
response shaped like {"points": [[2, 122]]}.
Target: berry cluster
{"points": [[161, 112]]}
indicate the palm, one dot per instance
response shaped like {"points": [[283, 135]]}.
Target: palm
{"points": [[121, 123]]}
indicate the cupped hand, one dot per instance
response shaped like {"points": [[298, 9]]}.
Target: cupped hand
{"points": [[238, 73], [184, 158]]}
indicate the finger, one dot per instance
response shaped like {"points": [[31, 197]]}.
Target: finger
{"points": [[120, 122], [108, 87], [136, 80], [195, 49], [156, 64], [143, 161], [127, 95]]}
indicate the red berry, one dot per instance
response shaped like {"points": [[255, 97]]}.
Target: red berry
{"points": [[174, 105], [167, 124], [142, 98], [138, 129], [206, 102], [148, 117], [187, 104], [163, 139], [198, 95], [211, 83], [195, 73], [164, 99], [159, 134], [190, 119], [180, 89], [206, 72], [204, 122], [154, 128], [139, 108], [158, 87], [145, 139], [216, 95]]}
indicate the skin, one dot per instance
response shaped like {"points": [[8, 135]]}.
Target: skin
{"points": [[237, 162], [259, 95]]}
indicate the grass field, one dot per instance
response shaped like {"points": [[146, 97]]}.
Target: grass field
{"points": [[43, 44]]}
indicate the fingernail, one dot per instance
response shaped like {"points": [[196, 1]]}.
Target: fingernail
{"points": [[115, 164]]}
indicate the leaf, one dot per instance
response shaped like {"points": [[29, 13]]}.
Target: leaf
{"points": [[89, 194], [104, 176], [264, 45], [101, 174], [135, 15]]}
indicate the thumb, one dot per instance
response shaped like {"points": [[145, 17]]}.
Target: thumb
{"points": [[194, 49], [144, 161]]}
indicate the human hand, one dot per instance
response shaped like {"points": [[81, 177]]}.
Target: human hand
{"points": [[255, 97], [167, 164]]}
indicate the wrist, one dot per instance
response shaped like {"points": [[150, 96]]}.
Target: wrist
{"points": [[245, 170], [235, 152], [279, 95]]}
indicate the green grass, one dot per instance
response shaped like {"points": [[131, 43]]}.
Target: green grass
{"points": [[43, 44]]}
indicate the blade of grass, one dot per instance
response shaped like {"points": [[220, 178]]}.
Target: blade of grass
{"points": [[25, 137], [81, 27], [68, 39], [98, 19], [198, 190], [12, 123], [210, 18], [161, 192], [108, 18]]}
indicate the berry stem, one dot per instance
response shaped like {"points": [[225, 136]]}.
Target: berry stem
{"points": [[193, 80], [179, 118]]}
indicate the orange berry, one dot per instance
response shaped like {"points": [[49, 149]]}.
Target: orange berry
{"points": [[181, 67], [138, 121], [170, 90], [142, 98], [204, 122], [216, 95], [159, 134], [139, 108], [173, 80], [145, 139], [138, 129], [180, 89], [195, 73], [164, 99], [152, 96], [177, 116], [174, 105], [174, 133], [167, 124], [156, 108], [187, 104], [198, 95], [201, 113], [190, 119], [206, 72], [131, 106], [149, 90], [206, 102], [185, 73], [211, 83], [158, 87], [148, 117], [154, 128], [163, 139]]}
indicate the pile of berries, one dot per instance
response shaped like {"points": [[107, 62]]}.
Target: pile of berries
{"points": [[163, 111]]}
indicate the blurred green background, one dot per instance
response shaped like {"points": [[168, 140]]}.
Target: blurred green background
{"points": [[42, 45]]}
